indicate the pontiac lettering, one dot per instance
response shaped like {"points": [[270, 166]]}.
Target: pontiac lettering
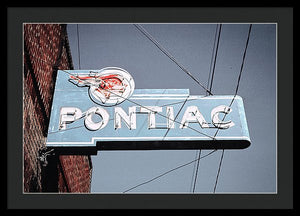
{"points": [[192, 114]]}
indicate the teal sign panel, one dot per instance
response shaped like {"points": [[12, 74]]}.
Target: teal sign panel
{"points": [[88, 114]]}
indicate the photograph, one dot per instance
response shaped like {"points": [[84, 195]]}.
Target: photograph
{"points": [[150, 108]]}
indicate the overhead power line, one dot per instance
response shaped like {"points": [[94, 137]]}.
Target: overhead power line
{"points": [[236, 91], [216, 182], [198, 161], [209, 83], [168, 54], [171, 170], [215, 59]]}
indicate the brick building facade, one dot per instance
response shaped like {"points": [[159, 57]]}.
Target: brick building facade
{"points": [[46, 49]]}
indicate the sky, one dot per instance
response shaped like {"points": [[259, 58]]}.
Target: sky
{"points": [[250, 170]]}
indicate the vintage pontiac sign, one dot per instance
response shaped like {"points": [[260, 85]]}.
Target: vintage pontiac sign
{"points": [[102, 110]]}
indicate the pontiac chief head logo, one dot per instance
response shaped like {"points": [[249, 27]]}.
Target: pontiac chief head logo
{"points": [[108, 87]]}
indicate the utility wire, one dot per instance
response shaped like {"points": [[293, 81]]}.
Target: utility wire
{"points": [[176, 115], [236, 90], [240, 74], [242, 65], [212, 58], [193, 174], [210, 82], [219, 169], [161, 48], [215, 59], [171, 170], [199, 154]]}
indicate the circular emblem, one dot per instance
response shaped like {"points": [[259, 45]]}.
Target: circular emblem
{"points": [[108, 87]]}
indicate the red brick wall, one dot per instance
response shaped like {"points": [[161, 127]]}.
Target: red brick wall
{"points": [[78, 176], [46, 49]]}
